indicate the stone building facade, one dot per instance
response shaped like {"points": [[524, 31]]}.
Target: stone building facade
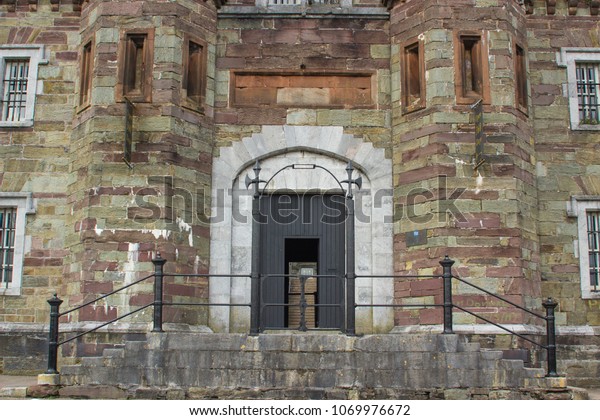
{"points": [[210, 87]]}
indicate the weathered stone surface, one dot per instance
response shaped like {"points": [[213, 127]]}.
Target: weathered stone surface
{"points": [[98, 223]]}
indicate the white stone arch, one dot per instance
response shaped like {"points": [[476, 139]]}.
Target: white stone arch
{"points": [[231, 228]]}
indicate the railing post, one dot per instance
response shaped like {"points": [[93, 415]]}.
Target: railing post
{"points": [[550, 305], [350, 252], [350, 270], [447, 264], [303, 303], [53, 335], [255, 278], [158, 262]]}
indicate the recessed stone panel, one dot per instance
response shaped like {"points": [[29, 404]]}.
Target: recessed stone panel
{"points": [[349, 90]]}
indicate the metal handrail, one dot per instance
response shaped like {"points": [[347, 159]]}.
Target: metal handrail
{"points": [[499, 297], [105, 296], [500, 326], [105, 324], [158, 303], [549, 304], [348, 309]]}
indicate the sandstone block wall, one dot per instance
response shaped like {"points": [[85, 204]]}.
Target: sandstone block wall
{"points": [[485, 217], [36, 159], [124, 215], [97, 222]]}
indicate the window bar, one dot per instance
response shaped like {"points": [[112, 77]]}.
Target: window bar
{"points": [[594, 248], [7, 243]]}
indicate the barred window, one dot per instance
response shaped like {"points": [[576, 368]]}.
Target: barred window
{"points": [[14, 98], [583, 77], [587, 211], [593, 223], [18, 68], [14, 208], [8, 218], [587, 92]]}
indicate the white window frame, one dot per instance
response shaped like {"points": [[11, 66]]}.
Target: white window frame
{"points": [[24, 204], [569, 57], [35, 54], [578, 207]]}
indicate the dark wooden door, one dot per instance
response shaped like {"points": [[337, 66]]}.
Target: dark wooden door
{"points": [[319, 218]]}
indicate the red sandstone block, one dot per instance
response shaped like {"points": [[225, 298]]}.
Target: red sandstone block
{"points": [[504, 272], [326, 36], [19, 35], [430, 149], [430, 316], [66, 56], [97, 288], [33, 262], [350, 50], [427, 172], [51, 37], [425, 287], [565, 268], [371, 37], [98, 313], [141, 299], [179, 290]]}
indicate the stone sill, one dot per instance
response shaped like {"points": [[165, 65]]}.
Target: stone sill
{"points": [[587, 127], [316, 11]]}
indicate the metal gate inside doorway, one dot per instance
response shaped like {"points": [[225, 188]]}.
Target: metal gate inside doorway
{"points": [[302, 261], [303, 272]]}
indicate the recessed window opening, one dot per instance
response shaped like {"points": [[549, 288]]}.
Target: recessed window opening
{"points": [[8, 217], [413, 76], [134, 65], [15, 84], [587, 92], [521, 77], [195, 72], [471, 65], [86, 74], [593, 222]]}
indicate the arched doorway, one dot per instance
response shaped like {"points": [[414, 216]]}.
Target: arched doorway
{"points": [[276, 147]]}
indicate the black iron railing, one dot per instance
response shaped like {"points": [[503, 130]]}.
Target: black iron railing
{"points": [[549, 304], [304, 305], [448, 306], [158, 304]]}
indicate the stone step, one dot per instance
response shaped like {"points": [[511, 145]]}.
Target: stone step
{"points": [[272, 361]]}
